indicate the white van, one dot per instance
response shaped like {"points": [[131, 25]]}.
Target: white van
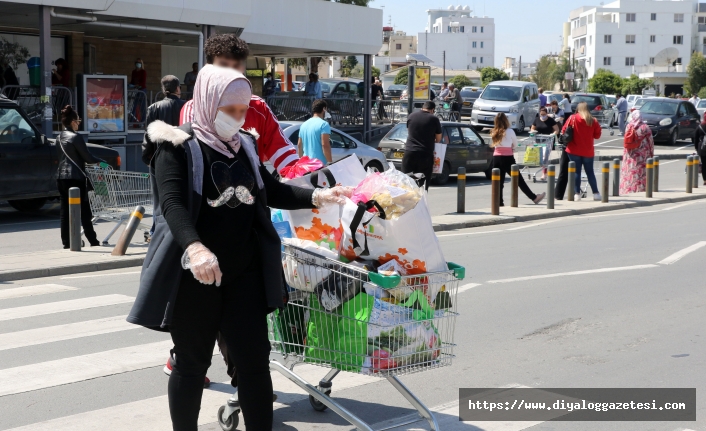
{"points": [[519, 100]]}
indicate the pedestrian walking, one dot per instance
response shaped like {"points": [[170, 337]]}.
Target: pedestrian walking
{"points": [[542, 98], [638, 147], [313, 87], [73, 157], [378, 96], [622, 106], [580, 150], [167, 110], [423, 132], [545, 125], [700, 144], [565, 104], [504, 141], [315, 135], [216, 226]]}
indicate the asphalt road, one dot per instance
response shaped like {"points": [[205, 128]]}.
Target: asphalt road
{"points": [[583, 301]]}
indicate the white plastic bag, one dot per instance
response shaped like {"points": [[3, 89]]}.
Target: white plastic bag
{"points": [[439, 154], [304, 276]]}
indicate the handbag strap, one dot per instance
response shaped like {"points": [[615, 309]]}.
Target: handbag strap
{"points": [[58, 139], [357, 221], [314, 178]]}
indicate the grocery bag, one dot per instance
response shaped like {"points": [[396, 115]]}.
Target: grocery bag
{"points": [[322, 225], [531, 156], [321, 330], [286, 327], [301, 270], [439, 154]]}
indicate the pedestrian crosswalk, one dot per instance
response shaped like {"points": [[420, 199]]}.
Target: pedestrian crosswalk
{"points": [[63, 306]]}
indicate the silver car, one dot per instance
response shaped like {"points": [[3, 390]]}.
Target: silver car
{"points": [[519, 100], [342, 145], [701, 108]]}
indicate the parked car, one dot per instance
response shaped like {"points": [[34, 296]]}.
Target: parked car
{"points": [[597, 104], [519, 100], [29, 160], [670, 119], [638, 103], [465, 149], [632, 98], [436, 88], [469, 95], [298, 85], [612, 100], [395, 91], [342, 145], [342, 87], [701, 108], [554, 96]]}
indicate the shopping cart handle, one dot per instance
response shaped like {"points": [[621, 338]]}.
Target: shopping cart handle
{"points": [[104, 165], [459, 271], [385, 281]]}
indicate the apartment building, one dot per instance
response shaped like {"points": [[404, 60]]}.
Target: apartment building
{"points": [[467, 41], [650, 38], [511, 66], [395, 47]]}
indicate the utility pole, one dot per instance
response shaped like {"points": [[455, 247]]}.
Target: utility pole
{"points": [[444, 72], [519, 70]]}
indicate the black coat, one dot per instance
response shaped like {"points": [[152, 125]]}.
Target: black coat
{"points": [[161, 270], [71, 145], [167, 110]]}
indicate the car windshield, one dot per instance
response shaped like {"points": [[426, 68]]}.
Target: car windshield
{"points": [[397, 87], [502, 93], [591, 100], [13, 127], [611, 99], [702, 104], [399, 133], [325, 87], [468, 93], [640, 102], [659, 108]]}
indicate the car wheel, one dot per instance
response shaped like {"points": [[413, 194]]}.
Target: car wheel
{"points": [[374, 166], [28, 205], [520, 126], [673, 137], [443, 177]]}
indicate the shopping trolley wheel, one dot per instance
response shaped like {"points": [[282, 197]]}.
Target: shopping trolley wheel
{"points": [[534, 179], [529, 176], [612, 133], [83, 243], [231, 423], [316, 404]]}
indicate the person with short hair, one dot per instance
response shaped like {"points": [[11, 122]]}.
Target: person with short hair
{"points": [[622, 106], [167, 110], [60, 75], [695, 99], [456, 100], [313, 87], [423, 132], [557, 112], [190, 77], [542, 98], [315, 135], [270, 85], [444, 90]]}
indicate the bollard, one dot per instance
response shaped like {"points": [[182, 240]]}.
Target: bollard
{"points": [[514, 182], [572, 181], [129, 231], [495, 192], [695, 169], [75, 219], [461, 187], [606, 179], [655, 173], [551, 170], [616, 177], [650, 177], [689, 173]]}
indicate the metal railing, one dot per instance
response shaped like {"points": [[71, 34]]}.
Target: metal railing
{"points": [[136, 109], [29, 99], [290, 108]]}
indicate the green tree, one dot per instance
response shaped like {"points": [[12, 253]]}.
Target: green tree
{"points": [[634, 84], [606, 82], [12, 54], [544, 75], [402, 76], [702, 93], [490, 74], [376, 72], [696, 74], [460, 81]]}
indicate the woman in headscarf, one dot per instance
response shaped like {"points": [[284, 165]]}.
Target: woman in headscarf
{"points": [[639, 146], [214, 220], [699, 144]]}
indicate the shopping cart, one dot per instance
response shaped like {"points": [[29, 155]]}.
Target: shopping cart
{"points": [[533, 153], [410, 334], [605, 119], [115, 195]]}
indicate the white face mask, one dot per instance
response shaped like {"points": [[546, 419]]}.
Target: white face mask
{"points": [[138, 65], [226, 126], [543, 117]]}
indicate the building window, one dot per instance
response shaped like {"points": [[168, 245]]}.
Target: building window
{"points": [[606, 61], [629, 38], [702, 20], [652, 60], [653, 17], [481, 30], [398, 46], [481, 60], [463, 29], [481, 45], [449, 29], [653, 38], [678, 40], [678, 17], [473, 59], [630, 17], [629, 61], [475, 44], [607, 38], [474, 29], [677, 61], [590, 19]]}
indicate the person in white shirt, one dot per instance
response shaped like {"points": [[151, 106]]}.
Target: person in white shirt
{"points": [[565, 105], [695, 100], [504, 142]]}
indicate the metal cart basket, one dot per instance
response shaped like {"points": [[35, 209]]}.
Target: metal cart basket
{"points": [[115, 195], [392, 330], [533, 153], [605, 119]]}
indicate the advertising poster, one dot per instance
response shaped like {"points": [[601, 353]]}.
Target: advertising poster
{"points": [[422, 79], [105, 105]]}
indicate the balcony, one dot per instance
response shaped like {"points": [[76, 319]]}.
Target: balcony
{"points": [[680, 68], [579, 31]]}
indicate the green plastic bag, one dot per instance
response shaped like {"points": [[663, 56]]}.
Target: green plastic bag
{"points": [[352, 334], [531, 156], [321, 331], [287, 328]]}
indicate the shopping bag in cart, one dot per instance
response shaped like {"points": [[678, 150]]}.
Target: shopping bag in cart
{"points": [[288, 328], [321, 332], [301, 272], [531, 156], [323, 225], [439, 154]]}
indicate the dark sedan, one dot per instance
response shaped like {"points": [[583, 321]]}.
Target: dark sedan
{"points": [[597, 104], [469, 98], [395, 91], [670, 119]]}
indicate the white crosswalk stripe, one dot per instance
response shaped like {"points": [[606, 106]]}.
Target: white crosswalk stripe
{"points": [[63, 306], [42, 289]]}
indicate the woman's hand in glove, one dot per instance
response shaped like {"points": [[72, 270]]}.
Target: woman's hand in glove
{"points": [[336, 195], [203, 264]]}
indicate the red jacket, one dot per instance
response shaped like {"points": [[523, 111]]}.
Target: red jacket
{"points": [[582, 144], [272, 145]]}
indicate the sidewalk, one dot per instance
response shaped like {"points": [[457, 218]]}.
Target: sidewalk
{"points": [[609, 154]]}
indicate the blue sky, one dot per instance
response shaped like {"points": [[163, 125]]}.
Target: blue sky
{"points": [[522, 27]]}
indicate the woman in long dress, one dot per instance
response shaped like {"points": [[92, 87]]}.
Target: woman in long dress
{"points": [[633, 176]]}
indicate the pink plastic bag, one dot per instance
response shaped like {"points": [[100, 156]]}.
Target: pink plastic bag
{"points": [[302, 167], [372, 184]]}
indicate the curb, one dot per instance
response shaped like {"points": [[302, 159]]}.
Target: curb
{"points": [[496, 220], [72, 269]]}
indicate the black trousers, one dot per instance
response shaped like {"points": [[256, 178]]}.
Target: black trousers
{"points": [[563, 180], [418, 162], [86, 215], [504, 163], [702, 154], [237, 309]]}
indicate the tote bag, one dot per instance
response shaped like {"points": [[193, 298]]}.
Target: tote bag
{"points": [[439, 154]]}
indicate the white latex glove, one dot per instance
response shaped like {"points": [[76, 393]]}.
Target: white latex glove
{"points": [[202, 263], [336, 195]]}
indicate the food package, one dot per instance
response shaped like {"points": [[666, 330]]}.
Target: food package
{"points": [[394, 192], [305, 276], [336, 289]]}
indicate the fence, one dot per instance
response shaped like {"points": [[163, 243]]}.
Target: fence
{"points": [[290, 108], [343, 110], [30, 101], [136, 109]]}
